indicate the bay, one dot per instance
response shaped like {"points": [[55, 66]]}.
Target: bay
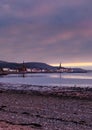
{"points": [[50, 79]]}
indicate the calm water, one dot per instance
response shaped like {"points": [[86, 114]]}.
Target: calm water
{"points": [[53, 79]]}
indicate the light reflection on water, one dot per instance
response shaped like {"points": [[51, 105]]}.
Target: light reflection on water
{"points": [[72, 75], [56, 79], [78, 76]]}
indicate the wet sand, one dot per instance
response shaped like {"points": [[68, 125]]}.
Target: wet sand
{"points": [[59, 109]]}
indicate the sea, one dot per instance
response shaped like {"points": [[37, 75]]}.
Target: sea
{"points": [[50, 79]]}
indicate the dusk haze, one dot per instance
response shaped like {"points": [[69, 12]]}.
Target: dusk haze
{"points": [[48, 31], [45, 64]]}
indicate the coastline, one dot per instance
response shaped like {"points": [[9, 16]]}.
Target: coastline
{"points": [[56, 91], [55, 109]]}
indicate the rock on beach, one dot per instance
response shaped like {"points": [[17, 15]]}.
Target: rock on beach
{"points": [[45, 109]]}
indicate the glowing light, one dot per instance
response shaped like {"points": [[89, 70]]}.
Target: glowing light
{"points": [[84, 64]]}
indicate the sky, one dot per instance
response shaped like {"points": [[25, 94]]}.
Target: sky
{"points": [[49, 31]]}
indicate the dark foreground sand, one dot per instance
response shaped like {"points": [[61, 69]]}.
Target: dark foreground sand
{"points": [[68, 109]]}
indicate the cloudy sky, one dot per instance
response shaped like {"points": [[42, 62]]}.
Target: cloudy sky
{"points": [[50, 31]]}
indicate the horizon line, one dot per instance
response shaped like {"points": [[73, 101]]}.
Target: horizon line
{"points": [[75, 64]]}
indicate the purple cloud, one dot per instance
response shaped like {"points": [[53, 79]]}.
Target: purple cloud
{"points": [[46, 30]]}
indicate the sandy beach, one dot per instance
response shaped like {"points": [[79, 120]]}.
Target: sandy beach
{"points": [[59, 109]]}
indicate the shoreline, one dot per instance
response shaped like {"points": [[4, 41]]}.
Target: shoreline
{"points": [[56, 91], [41, 109]]}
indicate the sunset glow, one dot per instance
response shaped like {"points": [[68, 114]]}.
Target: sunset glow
{"points": [[74, 64], [46, 31]]}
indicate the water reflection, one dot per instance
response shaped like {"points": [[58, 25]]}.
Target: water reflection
{"points": [[56, 79], [78, 76], [72, 75]]}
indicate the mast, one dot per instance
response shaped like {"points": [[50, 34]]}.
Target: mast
{"points": [[60, 66], [23, 69]]}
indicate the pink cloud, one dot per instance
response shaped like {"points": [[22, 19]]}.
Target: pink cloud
{"points": [[87, 23]]}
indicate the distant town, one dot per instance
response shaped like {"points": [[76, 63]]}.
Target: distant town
{"points": [[35, 67]]}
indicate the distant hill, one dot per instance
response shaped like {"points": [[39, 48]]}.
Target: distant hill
{"points": [[31, 65], [12, 65], [38, 65], [79, 70]]}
